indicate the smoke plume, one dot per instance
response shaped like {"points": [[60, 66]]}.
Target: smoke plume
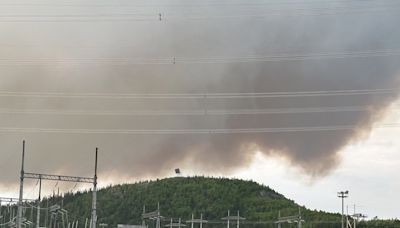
{"points": [[192, 32]]}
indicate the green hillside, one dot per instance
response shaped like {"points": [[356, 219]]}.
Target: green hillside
{"points": [[180, 197]]}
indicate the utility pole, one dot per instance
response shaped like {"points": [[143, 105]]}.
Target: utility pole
{"points": [[144, 211], [200, 221], [355, 218], [27, 175], [21, 188], [343, 194], [290, 219], [347, 216], [233, 218], [228, 219], [238, 220], [38, 207], [1, 217], [46, 218], [279, 218], [94, 199], [154, 215], [158, 216], [299, 221], [172, 224]]}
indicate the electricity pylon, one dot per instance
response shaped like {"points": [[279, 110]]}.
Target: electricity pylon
{"points": [[38, 176]]}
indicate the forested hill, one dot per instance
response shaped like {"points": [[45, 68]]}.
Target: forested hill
{"points": [[180, 197]]}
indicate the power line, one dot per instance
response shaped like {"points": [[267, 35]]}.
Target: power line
{"points": [[77, 15], [202, 60], [199, 112], [135, 14], [318, 12], [133, 17], [191, 131], [205, 4], [199, 95], [291, 57], [33, 189]]}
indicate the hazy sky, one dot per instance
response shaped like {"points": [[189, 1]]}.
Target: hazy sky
{"points": [[369, 170], [300, 95]]}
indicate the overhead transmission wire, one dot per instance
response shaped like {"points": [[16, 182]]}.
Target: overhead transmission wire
{"points": [[106, 15], [203, 4], [202, 60], [320, 93], [191, 131], [72, 190], [223, 131], [319, 12], [221, 112], [198, 112], [291, 57], [160, 16], [54, 187], [135, 14], [33, 188]]}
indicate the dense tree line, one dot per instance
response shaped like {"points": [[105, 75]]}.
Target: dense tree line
{"points": [[180, 197]]}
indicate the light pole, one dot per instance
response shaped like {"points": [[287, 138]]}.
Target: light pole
{"points": [[343, 194]]}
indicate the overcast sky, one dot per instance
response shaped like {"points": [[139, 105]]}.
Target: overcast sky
{"points": [[299, 95]]}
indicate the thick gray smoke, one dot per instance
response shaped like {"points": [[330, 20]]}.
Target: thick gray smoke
{"points": [[198, 31]]}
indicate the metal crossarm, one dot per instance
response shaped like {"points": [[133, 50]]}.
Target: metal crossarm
{"points": [[233, 218], [59, 178], [150, 215], [178, 224], [200, 221], [288, 218], [40, 177], [197, 221], [10, 199], [175, 225]]}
